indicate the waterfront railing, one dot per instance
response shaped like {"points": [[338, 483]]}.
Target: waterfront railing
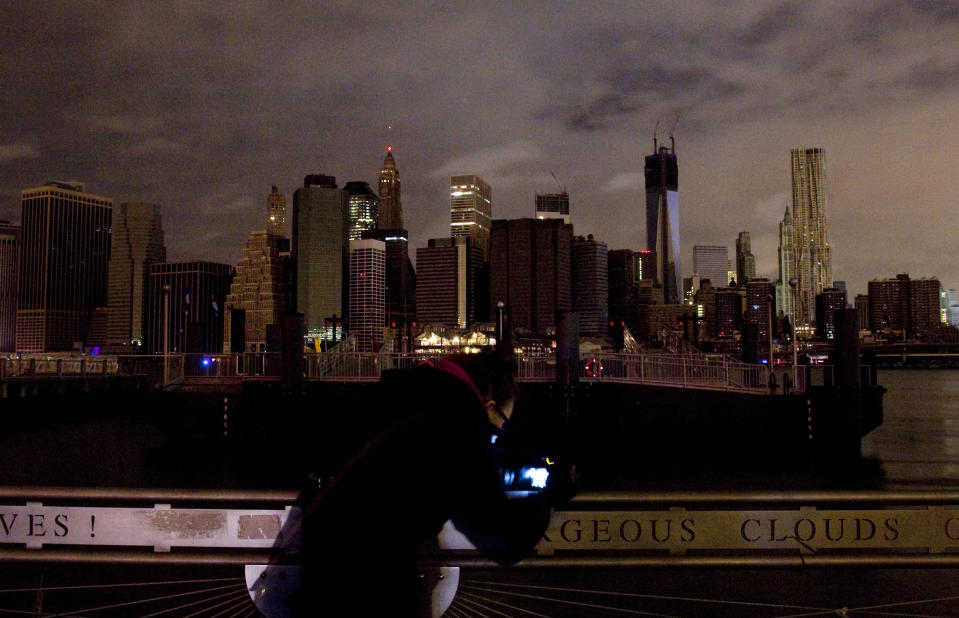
{"points": [[680, 370]]}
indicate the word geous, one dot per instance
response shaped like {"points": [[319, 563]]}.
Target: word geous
{"points": [[807, 530]]}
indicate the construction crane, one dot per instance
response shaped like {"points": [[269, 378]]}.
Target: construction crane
{"points": [[561, 186]]}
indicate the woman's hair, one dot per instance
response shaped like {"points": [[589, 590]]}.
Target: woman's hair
{"points": [[492, 371]]}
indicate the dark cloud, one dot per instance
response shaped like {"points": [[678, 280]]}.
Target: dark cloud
{"points": [[201, 107]]}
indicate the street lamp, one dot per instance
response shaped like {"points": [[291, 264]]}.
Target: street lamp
{"points": [[166, 335]]}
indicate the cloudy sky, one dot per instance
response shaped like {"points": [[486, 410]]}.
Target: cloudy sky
{"points": [[201, 106]]}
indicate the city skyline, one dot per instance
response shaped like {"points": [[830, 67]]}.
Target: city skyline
{"points": [[214, 123]]}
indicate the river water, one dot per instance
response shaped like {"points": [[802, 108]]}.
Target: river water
{"points": [[917, 446]]}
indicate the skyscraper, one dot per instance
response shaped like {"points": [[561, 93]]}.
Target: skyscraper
{"points": [[367, 293], [745, 260], [364, 208], [907, 307], [552, 206], [590, 279], [9, 267], [471, 210], [662, 218], [137, 243], [321, 222], [530, 271], [64, 256], [257, 293], [711, 262], [446, 279], [391, 210], [810, 269], [276, 213]]}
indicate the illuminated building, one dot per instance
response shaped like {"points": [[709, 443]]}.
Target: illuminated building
{"points": [[137, 243], [662, 219], [257, 293], [552, 206], [276, 213], [446, 279], [590, 279], [319, 250], [391, 209], [367, 314], [471, 211], [745, 260], [711, 262], [9, 267], [805, 255], [948, 308], [196, 297], [530, 271], [830, 301], [364, 208], [64, 258]]}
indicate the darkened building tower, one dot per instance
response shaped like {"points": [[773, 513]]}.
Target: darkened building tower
{"points": [[9, 268], [364, 208], [745, 260], [257, 294], [391, 210], [276, 213], [590, 279], [662, 218], [446, 279], [367, 293], [196, 297], [400, 277], [137, 243], [553, 206], [471, 210], [530, 271], [711, 262], [321, 222], [64, 257], [760, 307], [828, 303]]}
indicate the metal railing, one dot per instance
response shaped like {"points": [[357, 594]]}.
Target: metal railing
{"points": [[344, 364], [905, 529]]}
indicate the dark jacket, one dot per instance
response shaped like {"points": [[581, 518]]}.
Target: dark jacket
{"points": [[432, 461]]}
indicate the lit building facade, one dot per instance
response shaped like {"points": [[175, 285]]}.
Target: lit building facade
{"points": [[367, 315], [711, 262], [320, 240], [9, 269], [662, 219], [137, 243], [530, 271], [590, 279], [390, 207], [471, 211], [745, 260], [809, 251], [276, 213], [64, 259], [195, 300], [364, 208]]}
